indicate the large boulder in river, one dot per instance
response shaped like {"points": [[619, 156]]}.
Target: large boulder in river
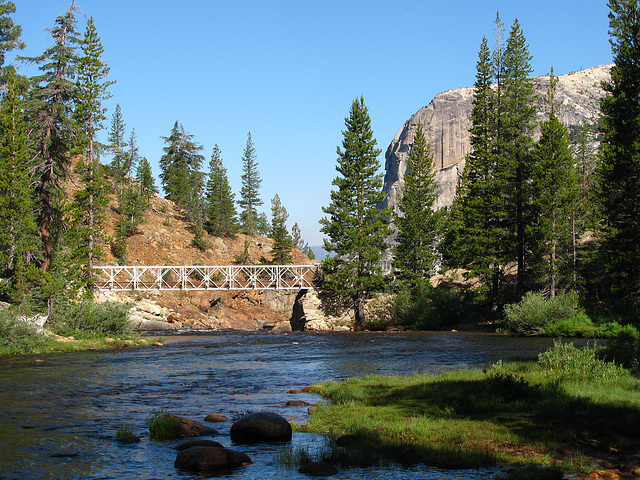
{"points": [[210, 458], [261, 427]]}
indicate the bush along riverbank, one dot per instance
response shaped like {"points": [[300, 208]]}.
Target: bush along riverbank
{"points": [[79, 326], [570, 410]]}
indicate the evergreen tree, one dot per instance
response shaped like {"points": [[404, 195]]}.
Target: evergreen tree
{"points": [[417, 223], [619, 169], [355, 226], [281, 251], [53, 130], [133, 156], [473, 239], [555, 199], [87, 211], [9, 31], [493, 213], [298, 242], [117, 144], [144, 176], [180, 167], [514, 148], [130, 214], [220, 203], [250, 191], [18, 231]]}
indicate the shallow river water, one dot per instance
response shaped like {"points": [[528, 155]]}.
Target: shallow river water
{"points": [[58, 421]]}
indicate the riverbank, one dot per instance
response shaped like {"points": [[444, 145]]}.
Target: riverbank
{"points": [[568, 410]]}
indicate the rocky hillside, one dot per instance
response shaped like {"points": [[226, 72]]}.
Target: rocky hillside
{"points": [[446, 124], [164, 238]]}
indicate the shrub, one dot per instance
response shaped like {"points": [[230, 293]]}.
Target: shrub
{"points": [[87, 318], [428, 308], [19, 337], [579, 325], [533, 313], [163, 426], [566, 362], [624, 348]]}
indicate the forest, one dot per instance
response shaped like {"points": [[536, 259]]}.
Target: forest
{"points": [[544, 231]]}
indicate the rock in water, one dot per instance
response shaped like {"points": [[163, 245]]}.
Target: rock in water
{"points": [[261, 427], [210, 458], [318, 469]]}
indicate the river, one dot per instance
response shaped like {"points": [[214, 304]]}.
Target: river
{"points": [[58, 421]]}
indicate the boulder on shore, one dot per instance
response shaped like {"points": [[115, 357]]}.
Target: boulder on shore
{"points": [[261, 427], [210, 458]]}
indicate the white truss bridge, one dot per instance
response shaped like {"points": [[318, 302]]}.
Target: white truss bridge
{"points": [[196, 277]]}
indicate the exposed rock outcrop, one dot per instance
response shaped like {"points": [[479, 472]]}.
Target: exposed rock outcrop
{"points": [[446, 124]]}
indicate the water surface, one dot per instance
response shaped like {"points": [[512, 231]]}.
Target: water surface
{"points": [[59, 421]]}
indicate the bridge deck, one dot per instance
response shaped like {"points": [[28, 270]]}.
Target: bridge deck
{"points": [[227, 277]]}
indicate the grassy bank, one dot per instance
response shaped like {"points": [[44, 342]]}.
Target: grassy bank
{"points": [[569, 409], [81, 326]]}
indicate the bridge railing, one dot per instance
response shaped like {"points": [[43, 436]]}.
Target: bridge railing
{"points": [[196, 277]]}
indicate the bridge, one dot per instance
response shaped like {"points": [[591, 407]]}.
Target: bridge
{"points": [[196, 277]]}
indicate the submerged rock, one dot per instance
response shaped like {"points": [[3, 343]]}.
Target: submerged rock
{"points": [[261, 427], [216, 418], [318, 469], [191, 428], [197, 443], [210, 458]]}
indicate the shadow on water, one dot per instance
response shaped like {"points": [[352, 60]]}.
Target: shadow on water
{"points": [[59, 421]]}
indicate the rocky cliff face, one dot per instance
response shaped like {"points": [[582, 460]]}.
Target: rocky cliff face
{"points": [[446, 124]]}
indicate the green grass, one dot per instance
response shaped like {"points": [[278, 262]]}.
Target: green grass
{"points": [[515, 413], [163, 426]]}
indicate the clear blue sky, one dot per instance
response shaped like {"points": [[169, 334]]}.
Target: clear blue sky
{"points": [[287, 71]]}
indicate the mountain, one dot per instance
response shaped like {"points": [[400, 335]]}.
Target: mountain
{"points": [[446, 125]]}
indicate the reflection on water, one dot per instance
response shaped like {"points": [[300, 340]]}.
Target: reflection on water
{"points": [[59, 421]]}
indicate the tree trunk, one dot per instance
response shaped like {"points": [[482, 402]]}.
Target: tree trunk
{"points": [[358, 308]]}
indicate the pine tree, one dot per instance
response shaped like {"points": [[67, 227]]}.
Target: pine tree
{"points": [[619, 169], [9, 31], [556, 196], [117, 144], [250, 191], [220, 203], [281, 251], [18, 231], [147, 183], [298, 242], [87, 211], [180, 167], [54, 133], [473, 239], [133, 155], [355, 226], [514, 148], [130, 214], [417, 223]]}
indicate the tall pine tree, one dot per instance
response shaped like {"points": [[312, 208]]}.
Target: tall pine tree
{"points": [[281, 251], [250, 191], [18, 231], [619, 169], [555, 201], [9, 31], [87, 211], [54, 132], [220, 204], [417, 222], [354, 223]]}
